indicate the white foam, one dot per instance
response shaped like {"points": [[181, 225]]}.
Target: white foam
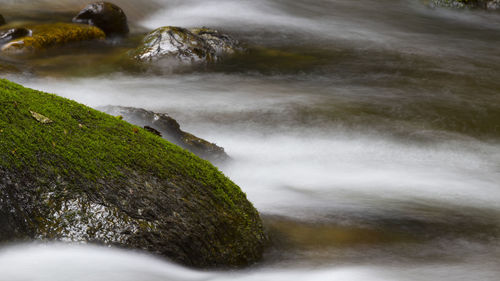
{"points": [[56, 262], [287, 169], [60, 262]]}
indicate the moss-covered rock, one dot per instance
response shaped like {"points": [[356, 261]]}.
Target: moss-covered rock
{"points": [[170, 129], [185, 46], [86, 176], [45, 36], [107, 16]]}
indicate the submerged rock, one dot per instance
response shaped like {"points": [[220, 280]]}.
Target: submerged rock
{"points": [[44, 36], [185, 46], [493, 5], [8, 35], [88, 177], [471, 4], [107, 16], [170, 129]]}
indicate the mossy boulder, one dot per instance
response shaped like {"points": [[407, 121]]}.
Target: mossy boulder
{"points": [[106, 16], [46, 36], [178, 44], [169, 129], [71, 173]]}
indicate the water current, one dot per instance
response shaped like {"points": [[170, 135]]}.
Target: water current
{"points": [[367, 133]]}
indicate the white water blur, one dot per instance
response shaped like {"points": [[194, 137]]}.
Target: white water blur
{"points": [[301, 170], [60, 262], [406, 26], [88, 263]]}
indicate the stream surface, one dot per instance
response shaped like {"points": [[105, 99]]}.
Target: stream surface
{"points": [[367, 133]]}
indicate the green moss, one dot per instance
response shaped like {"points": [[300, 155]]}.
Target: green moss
{"points": [[77, 174], [49, 35], [82, 143]]}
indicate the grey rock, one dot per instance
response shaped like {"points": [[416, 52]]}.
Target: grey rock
{"points": [[466, 4], [170, 130], [8, 35], [181, 45], [493, 5], [223, 44]]}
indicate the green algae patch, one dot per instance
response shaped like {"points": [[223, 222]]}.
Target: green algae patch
{"points": [[46, 36], [90, 177]]}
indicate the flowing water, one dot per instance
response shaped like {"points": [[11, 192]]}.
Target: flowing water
{"points": [[367, 133]]}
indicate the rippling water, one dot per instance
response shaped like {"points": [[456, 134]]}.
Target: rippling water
{"points": [[367, 133]]}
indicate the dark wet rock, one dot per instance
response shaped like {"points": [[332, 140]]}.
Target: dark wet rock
{"points": [[107, 16], [170, 130], [185, 46], [152, 130], [223, 44], [493, 5], [2, 20], [8, 35], [173, 43], [45, 36], [470, 4], [87, 177]]}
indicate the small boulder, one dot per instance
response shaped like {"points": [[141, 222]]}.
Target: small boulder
{"points": [[451, 3], [493, 5], [44, 36], [107, 16], [2, 20], [223, 44], [167, 127], [185, 46], [8, 35], [466, 4], [173, 43]]}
